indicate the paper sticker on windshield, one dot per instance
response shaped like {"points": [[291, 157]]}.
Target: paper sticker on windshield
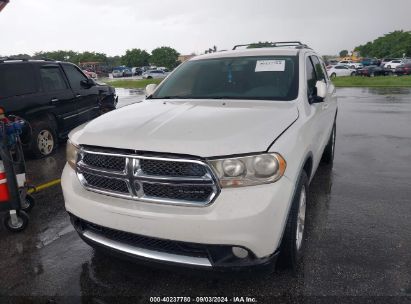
{"points": [[270, 66]]}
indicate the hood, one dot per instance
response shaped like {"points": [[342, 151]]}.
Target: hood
{"points": [[203, 128]]}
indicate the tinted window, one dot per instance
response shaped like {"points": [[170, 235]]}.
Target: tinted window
{"points": [[16, 80], [311, 77], [74, 76], [52, 79], [268, 78]]}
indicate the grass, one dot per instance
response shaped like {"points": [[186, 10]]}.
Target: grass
{"points": [[132, 83], [354, 81], [377, 82]]}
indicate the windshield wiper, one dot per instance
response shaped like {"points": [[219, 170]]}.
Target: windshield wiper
{"points": [[171, 97]]}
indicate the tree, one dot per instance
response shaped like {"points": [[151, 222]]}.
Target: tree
{"points": [[343, 53], [164, 57], [135, 58], [394, 44]]}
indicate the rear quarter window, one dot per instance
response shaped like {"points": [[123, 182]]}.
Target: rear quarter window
{"points": [[17, 80]]}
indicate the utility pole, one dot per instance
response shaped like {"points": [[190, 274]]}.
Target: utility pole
{"points": [[3, 3]]}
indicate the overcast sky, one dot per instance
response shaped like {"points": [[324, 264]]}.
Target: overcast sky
{"points": [[27, 26]]}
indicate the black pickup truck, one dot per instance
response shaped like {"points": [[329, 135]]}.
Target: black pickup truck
{"points": [[54, 97]]}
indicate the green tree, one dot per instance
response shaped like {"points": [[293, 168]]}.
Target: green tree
{"points": [[394, 44], [165, 57], [135, 58], [343, 53]]}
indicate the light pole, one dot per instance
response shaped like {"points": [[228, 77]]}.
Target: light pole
{"points": [[3, 3]]}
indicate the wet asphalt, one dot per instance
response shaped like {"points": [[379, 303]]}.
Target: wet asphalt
{"points": [[358, 237]]}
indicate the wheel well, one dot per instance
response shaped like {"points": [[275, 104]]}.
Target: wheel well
{"points": [[308, 166]]}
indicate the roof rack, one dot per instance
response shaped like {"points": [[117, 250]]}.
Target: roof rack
{"points": [[296, 44], [3, 59]]}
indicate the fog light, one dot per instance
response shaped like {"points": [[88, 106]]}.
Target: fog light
{"points": [[240, 252]]}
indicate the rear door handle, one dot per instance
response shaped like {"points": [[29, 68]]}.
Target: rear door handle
{"points": [[54, 100], [78, 95]]}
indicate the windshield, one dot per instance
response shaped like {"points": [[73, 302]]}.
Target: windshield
{"points": [[267, 78]]}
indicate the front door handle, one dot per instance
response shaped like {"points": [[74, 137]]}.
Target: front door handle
{"points": [[78, 95], [54, 100]]}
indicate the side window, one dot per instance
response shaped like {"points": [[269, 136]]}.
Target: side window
{"points": [[74, 76], [16, 80], [52, 79], [318, 68], [311, 77]]}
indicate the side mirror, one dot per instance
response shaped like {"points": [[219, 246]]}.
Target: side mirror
{"points": [[150, 89], [88, 83], [320, 91]]}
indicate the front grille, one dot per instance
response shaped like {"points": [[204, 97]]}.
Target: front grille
{"points": [[148, 178], [110, 184], [139, 241], [170, 168], [186, 193], [105, 161]]}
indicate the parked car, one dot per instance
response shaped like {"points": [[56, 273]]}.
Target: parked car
{"points": [[351, 64], [213, 169], [393, 64], [54, 97], [370, 61], [373, 70], [154, 74], [137, 71], [90, 74], [384, 61], [404, 69], [127, 73], [340, 70], [117, 73]]}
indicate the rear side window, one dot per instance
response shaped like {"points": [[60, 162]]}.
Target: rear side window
{"points": [[52, 79], [74, 76], [16, 80]]}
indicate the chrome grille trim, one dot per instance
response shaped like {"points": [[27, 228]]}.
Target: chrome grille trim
{"points": [[134, 177]]}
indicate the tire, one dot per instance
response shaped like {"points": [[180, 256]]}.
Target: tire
{"points": [[23, 221], [149, 77], [388, 67], [328, 154], [43, 141], [333, 75], [292, 244], [353, 73], [28, 203]]}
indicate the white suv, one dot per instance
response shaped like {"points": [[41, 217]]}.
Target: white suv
{"points": [[213, 168]]}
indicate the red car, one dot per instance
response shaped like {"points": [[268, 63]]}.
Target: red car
{"points": [[403, 69]]}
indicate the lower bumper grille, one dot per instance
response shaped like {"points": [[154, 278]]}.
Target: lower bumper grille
{"points": [[167, 246]]}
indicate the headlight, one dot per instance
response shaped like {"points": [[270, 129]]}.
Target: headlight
{"points": [[249, 170], [71, 154]]}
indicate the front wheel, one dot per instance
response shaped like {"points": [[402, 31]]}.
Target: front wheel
{"points": [[328, 155], [292, 245], [353, 73], [333, 75], [28, 203]]}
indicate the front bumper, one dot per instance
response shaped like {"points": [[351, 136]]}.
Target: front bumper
{"points": [[252, 218]]}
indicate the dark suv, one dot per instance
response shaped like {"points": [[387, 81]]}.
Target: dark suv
{"points": [[54, 97]]}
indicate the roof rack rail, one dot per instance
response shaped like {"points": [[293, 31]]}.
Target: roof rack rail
{"points": [[3, 59], [296, 44]]}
